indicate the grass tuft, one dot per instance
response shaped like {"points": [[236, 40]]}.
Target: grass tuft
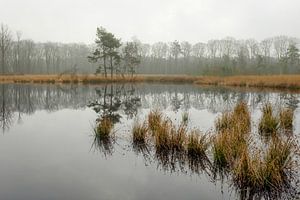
{"points": [[268, 124], [286, 117], [154, 120], [197, 144], [104, 127], [139, 133]]}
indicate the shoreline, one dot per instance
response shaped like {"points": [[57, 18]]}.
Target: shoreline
{"points": [[291, 82]]}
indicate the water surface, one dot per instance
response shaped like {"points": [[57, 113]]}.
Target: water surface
{"points": [[47, 148]]}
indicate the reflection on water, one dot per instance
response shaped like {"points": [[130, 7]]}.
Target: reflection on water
{"points": [[125, 100], [52, 124]]}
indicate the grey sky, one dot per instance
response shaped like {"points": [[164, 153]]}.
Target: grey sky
{"points": [[151, 20]]}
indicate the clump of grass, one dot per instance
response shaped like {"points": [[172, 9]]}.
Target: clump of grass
{"points": [[104, 127], [139, 133], [227, 147], [268, 171], [278, 161], [244, 170], [242, 117], [154, 120], [197, 144], [238, 119], [268, 124], [168, 137], [224, 122], [220, 150], [286, 117], [178, 137]]}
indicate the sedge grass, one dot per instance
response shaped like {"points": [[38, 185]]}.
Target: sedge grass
{"points": [[269, 123], [139, 133], [286, 119]]}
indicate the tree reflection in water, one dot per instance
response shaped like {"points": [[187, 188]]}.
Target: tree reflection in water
{"points": [[118, 102]]}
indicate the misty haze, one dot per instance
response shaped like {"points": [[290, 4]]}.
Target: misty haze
{"points": [[149, 99]]}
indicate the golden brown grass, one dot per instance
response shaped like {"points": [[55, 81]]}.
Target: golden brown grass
{"points": [[154, 120], [139, 132], [80, 78], [269, 123], [104, 127], [268, 171], [168, 137], [261, 81], [264, 81], [197, 144], [239, 119], [232, 149], [286, 119]]}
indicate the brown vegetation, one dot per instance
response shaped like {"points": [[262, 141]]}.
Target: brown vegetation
{"points": [[263, 81]]}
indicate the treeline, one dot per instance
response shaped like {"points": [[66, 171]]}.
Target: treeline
{"points": [[109, 55]]}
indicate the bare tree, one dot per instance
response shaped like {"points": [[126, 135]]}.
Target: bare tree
{"points": [[5, 44]]}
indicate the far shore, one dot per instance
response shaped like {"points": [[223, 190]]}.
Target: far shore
{"points": [[258, 81]]}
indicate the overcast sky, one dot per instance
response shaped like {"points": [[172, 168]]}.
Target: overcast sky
{"points": [[151, 20]]}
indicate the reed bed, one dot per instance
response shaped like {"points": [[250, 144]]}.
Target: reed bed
{"points": [[233, 150], [94, 79], [260, 81]]}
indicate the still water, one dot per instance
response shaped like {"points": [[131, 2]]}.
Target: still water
{"points": [[47, 148]]}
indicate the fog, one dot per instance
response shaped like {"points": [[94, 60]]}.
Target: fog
{"points": [[151, 20]]}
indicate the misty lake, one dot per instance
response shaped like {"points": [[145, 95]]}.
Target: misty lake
{"points": [[47, 147]]}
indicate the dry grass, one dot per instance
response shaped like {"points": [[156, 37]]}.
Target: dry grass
{"points": [[266, 81], [286, 119], [268, 171], [227, 147], [269, 123], [239, 119], [197, 144], [154, 120], [104, 128], [168, 137], [232, 150], [139, 133], [80, 78]]}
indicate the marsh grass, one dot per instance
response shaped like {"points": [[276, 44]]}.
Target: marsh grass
{"points": [[259, 81], [197, 144], [168, 137], [227, 147], [103, 136], [234, 152], [224, 122], [286, 119], [139, 132], [239, 119], [154, 120], [269, 123], [104, 128], [267, 171]]}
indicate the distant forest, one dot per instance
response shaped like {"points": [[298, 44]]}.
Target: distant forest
{"points": [[227, 56]]}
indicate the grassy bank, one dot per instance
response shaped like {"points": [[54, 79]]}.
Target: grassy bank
{"points": [[265, 81], [85, 79]]}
